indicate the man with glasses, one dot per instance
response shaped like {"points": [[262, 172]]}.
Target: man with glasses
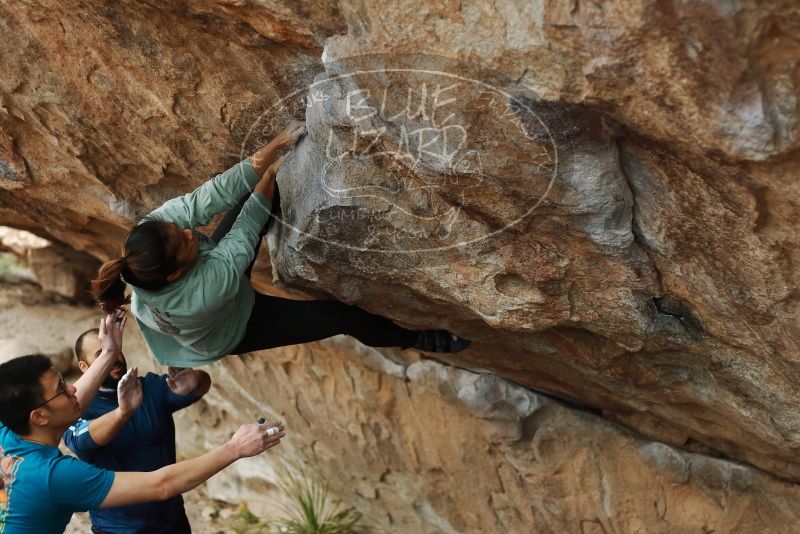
{"points": [[61, 389], [131, 429], [40, 487]]}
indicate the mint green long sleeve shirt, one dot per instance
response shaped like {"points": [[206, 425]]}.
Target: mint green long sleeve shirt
{"points": [[202, 316]]}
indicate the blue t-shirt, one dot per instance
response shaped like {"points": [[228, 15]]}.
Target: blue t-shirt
{"points": [[145, 443], [41, 487]]}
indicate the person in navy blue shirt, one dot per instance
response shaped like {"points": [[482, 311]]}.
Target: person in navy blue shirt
{"points": [[120, 435]]}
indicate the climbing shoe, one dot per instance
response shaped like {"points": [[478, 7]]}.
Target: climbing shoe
{"points": [[440, 341]]}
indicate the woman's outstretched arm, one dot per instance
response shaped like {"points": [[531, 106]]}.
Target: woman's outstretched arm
{"points": [[262, 159], [224, 190], [215, 196], [229, 260]]}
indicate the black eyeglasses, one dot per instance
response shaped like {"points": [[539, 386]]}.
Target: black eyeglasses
{"points": [[62, 391]]}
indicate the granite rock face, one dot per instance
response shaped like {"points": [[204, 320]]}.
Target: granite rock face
{"points": [[602, 196], [418, 446], [56, 267], [618, 234], [110, 109]]}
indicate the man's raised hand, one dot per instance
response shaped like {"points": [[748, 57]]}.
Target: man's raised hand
{"points": [[255, 438], [111, 328], [182, 380], [129, 392]]}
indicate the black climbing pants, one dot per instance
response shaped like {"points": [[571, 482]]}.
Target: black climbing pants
{"points": [[277, 322]]}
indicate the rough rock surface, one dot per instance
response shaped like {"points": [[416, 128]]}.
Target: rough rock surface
{"points": [[56, 267], [426, 447], [418, 446], [622, 232], [32, 323], [615, 223]]}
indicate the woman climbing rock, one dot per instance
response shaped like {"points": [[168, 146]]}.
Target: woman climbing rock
{"points": [[192, 297]]}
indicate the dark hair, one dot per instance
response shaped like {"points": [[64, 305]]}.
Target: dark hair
{"points": [[79, 343], [146, 261], [21, 390]]}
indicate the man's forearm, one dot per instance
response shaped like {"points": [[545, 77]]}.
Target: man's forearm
{"points": [[105, 428], [167, 482], [187, 475], [89, 382], [262, 159]]}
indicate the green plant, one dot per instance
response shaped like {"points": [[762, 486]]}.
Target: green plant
{"points": [[313, 508], [249, 517]]}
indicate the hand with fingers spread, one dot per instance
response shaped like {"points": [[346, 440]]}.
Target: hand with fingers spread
{"points": [[111, 328], [291, 134], [129, 392], [110, 335], [255, 438], [182, 380], [263, 160]]}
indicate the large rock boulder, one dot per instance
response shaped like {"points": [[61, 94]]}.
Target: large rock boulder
{"points": [[604, 200], [419, 446], [618, 270]]}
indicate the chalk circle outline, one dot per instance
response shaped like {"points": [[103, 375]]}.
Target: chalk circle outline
{"points": [[347, 75]]}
